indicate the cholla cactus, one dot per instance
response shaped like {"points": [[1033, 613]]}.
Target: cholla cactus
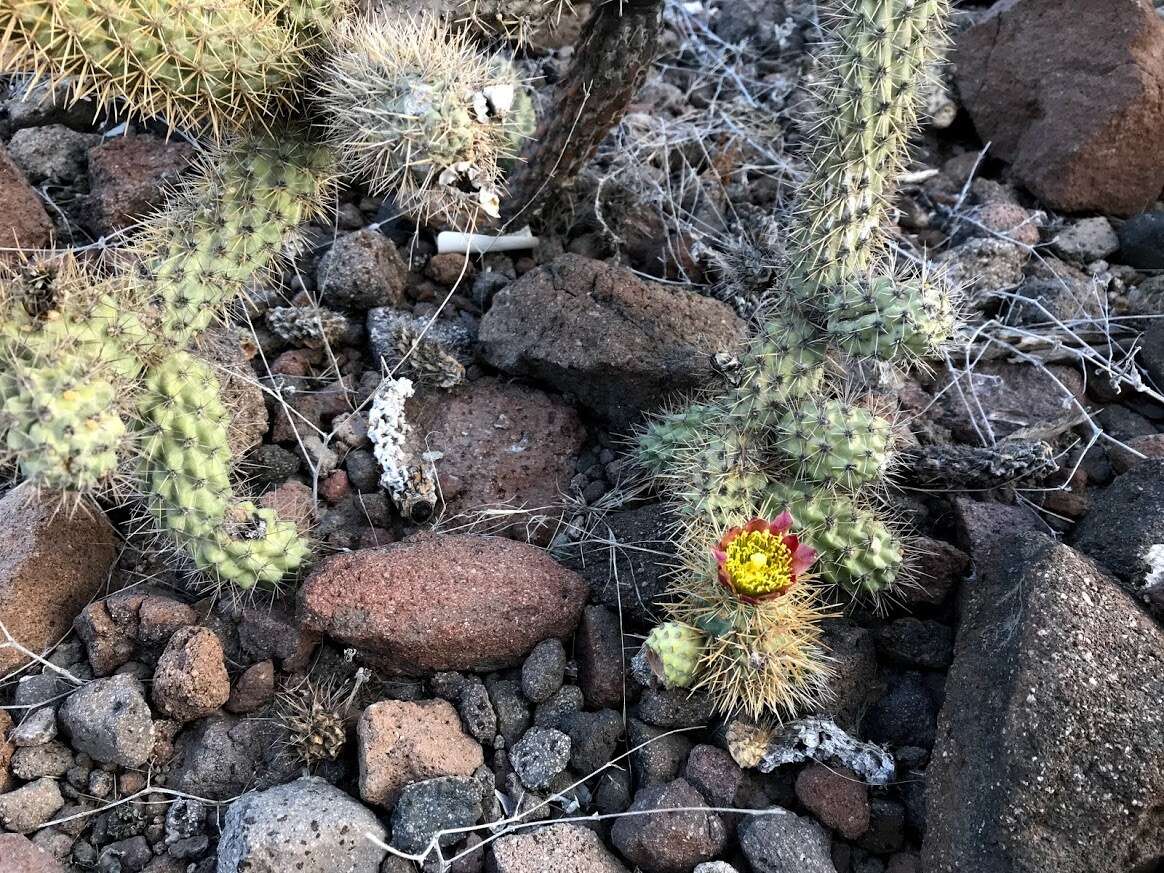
{"points": [[417, 111], [512, 20], [101, 385], [746, 625], [221, 64], [784, 435]]}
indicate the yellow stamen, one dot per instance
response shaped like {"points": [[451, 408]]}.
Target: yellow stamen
{"points": [[759, 563]]}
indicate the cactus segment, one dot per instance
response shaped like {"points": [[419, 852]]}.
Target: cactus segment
{"points": [[877, 57], [759, 657], [856, 550], [661, 442], [62, 424], [783, 364], [885, 317], [417, 111], [217, 64], [230, 227], [833, 443], [673, 653], [186, 465]]}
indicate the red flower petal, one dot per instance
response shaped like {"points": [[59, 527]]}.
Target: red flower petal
{"points": [[756, 524], [730, 534], [781, 523], [802, 558]]}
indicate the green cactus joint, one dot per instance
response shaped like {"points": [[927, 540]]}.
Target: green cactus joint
{"points": [[886, 317], [220, 65], [185, 461], [835, 443], [856, 550], [231, 226], [673, 651], [71, 431]]}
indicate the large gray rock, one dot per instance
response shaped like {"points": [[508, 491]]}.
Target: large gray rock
{"points": [[1050, 747], [220, 757], [110, 721], [561, 848], [786, 843], [307, 826], [622, 346], [1124, 523]]}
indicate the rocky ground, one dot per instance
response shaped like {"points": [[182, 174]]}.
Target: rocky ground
{"points": [[1016, 686]]}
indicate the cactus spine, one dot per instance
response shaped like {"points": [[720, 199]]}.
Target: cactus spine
{"points": [[784, 436], [221, 64]]}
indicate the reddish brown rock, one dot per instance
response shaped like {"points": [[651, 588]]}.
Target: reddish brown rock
{"points": [[254, 689], [836, 797], [52, 562], [621, 345], [501, 444], [443, 602], [107, 645], [128, 176], [1071, 99], [598, 649], [160, 617], [450, 269], [25, 224], [401, 742], [190, 681], [18, 854]]}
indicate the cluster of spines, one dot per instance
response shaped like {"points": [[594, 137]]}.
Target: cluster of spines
{"points": [[416, 110], [216, 65]]}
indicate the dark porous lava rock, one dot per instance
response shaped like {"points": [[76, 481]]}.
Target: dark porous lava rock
{"points": [[621, 345], [1050, 745], [1125, 522]]}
